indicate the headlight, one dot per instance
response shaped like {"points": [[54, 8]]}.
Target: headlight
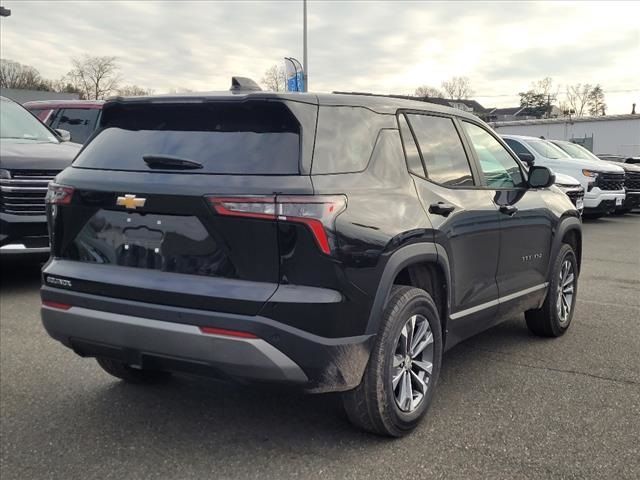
{"points": [[4, 174], [590, 173]]}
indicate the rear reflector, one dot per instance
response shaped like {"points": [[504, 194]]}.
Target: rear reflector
{"points": [[226, 333], [58, 305], [317, 212]]}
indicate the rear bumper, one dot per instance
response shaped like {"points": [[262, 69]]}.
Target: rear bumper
{"points": [[145, 337], [23, 234]]}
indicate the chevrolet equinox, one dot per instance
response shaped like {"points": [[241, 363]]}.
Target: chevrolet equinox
{"points": [[339, 243]]}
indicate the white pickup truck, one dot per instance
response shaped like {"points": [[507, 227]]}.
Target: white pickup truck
{"points": [[603, 183]]}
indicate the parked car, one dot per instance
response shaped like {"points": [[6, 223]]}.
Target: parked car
{"points": [[631, 172], [619, 158], [603, 183], [572, 189], [79, 117], [30, 156], [334, 242]]}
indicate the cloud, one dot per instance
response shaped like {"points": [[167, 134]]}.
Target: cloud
{"points": [[386, 47]]}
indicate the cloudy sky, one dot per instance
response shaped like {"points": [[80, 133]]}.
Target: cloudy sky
{"points": [[375, 46]]}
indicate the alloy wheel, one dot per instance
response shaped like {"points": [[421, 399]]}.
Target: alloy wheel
{"points": [[412, 364], [566, 289]]}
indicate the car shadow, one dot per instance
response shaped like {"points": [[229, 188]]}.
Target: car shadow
{"points": [[197, 414], [18, 273]]}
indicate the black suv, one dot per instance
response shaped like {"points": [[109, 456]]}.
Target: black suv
{"points": [[334, 242]]}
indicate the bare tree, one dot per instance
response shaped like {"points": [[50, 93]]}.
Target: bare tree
{"points": [[457, 88], [95, 77], [275, 78], [577, 96], [134, 91], [596, 103], [16, 75], [427, 91]]}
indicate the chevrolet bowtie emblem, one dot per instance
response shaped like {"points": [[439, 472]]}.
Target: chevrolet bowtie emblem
{"points": [[130, 201]]}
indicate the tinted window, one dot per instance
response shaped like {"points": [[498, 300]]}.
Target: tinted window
{"points": [[414, 164], [345, 138], [516, 146], [42, 114], [499, 168], [80, 122], [244, 138], [442, 151]]}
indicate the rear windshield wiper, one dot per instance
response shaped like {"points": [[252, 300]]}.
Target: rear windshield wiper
{"points": [[154, 160]]}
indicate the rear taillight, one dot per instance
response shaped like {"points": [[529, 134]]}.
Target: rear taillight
{"points": [[317, 212], [59, 194]]}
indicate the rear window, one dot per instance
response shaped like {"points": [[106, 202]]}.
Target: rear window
{"points": [[257, 137]]}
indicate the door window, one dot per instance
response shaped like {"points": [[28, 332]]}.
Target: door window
{"points": [[499, 168], [78, 121], [414, 164], [444, 157], [516, 146]]}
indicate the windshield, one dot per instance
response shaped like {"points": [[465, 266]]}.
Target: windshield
{"points": [[547, 149], [18, 124], [576, 151]]}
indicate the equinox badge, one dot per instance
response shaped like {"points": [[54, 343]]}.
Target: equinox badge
{"points": [[130, 201]]}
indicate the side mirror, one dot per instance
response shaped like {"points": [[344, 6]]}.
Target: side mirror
{"points": [[527, 158], [64, 135], [541, 177]]}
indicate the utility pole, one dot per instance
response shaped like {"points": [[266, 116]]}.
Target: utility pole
{"points": [[304, 46]]}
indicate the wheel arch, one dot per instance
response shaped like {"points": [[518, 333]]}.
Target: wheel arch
{"points": [[570, 232], [408, 266]]}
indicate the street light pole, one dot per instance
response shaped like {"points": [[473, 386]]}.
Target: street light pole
{"points": [[304, 45]]}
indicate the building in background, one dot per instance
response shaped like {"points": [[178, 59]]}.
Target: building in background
{"points": [[22, 96], [610, 134]]}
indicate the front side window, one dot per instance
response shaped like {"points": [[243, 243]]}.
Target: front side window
{"points": [[444, 157], [547, 149], [516, 146], [499, 168]]}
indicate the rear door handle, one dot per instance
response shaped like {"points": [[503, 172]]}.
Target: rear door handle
{"points": [[441, 208], [510, 210]]}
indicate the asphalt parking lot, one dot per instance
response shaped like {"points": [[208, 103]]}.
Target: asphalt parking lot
{"points": [[508, 405]]}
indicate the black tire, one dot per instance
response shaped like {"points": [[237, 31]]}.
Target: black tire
{"points": [[546, 321], [372, 405], [132, 375]]}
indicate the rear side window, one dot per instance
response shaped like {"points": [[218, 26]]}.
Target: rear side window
{"points": [[254, 137], [79, 122], [345, 138], [441, 147]]}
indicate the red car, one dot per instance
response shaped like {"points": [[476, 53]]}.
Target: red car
{"points": [[79, 117]]}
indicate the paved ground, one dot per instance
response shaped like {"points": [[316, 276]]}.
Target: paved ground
{"points": [[508, 405]]}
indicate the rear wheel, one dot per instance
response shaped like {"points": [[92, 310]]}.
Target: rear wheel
{"points": [[399, 381], [132, 375], [554, 318]]}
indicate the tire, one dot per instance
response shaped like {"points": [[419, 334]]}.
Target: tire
{"points": [[374, 405], [550, 320], [132, 375]]}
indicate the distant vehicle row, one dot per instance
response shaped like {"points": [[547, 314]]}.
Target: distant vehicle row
{"points": [[609, 187]]}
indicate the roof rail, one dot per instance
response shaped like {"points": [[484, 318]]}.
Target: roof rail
{"points": [[241, 84]]}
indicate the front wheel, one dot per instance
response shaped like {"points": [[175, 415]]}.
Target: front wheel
{"points": [[554, 317], [400, 378]]}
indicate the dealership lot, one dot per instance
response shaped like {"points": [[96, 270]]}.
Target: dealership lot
{"points": [[508, 405]]}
